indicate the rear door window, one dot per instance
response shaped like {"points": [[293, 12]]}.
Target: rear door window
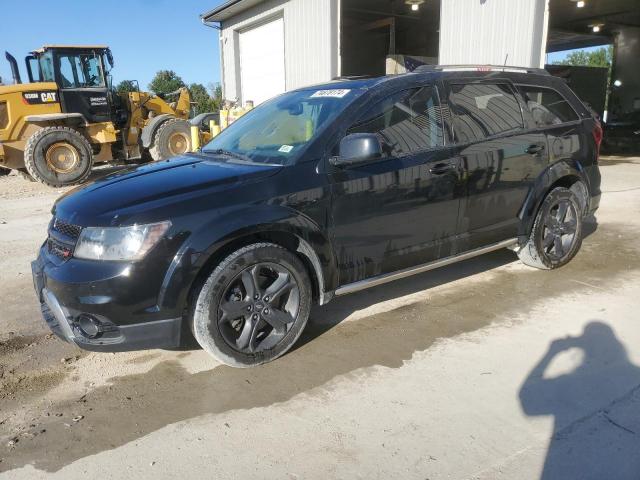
{"points": [[406, 122], [547, 106], [482, 110]]}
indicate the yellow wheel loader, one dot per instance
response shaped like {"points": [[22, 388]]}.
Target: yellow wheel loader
{"points": [[68, 117]]}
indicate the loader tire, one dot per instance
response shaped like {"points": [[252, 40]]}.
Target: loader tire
{"points": [[4, 171], [58, 156], [172, 138]]}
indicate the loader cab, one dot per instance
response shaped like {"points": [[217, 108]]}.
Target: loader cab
{"points": [[81, 73]]}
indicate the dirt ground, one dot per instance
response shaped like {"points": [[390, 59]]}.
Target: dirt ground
{"points": [[482, 370]]}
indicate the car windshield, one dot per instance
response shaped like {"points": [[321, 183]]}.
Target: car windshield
{"points": [[277, 131]]}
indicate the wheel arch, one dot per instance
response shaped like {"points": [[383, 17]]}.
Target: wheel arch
{"points": [[203, 250], [561, 174], [292, 242]]}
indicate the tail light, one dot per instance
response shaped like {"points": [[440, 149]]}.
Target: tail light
{"points": [[597, 136]]}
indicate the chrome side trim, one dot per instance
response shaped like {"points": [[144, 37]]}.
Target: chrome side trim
{"points": [[407, 272], [55, 307]]}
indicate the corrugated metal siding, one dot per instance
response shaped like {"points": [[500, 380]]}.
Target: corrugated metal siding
{"points": [[486, 31], [309, 41]]}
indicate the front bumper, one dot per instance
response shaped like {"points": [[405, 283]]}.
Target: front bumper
{"points": [[63, 308]]}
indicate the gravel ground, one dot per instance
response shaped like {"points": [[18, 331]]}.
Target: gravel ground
{"points": [[485, 369]]}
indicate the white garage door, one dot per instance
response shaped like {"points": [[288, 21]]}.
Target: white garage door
{"points": [[262, 61]]}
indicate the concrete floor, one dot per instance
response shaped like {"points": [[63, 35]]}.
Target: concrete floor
{"points": [[483, 370]]}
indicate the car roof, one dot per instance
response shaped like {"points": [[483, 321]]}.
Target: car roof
{"points": [[435, 72]]}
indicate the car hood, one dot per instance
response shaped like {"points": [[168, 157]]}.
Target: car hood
{"points": [[129, 195]]}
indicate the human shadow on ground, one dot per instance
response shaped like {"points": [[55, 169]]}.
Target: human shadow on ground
{"points": [[596, 408]]}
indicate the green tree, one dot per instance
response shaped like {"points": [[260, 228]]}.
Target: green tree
{"points": [[215, 90], [165, 81], [126, 86], [601, 57], [201, 100]]}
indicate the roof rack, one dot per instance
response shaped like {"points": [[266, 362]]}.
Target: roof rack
{"points": [[480, 68], [355, 77]]}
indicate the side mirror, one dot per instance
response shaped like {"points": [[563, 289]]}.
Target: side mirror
{"points": [[358, 148]]}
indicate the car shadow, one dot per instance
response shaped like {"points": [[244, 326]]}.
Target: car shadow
{"points": [[595, 407], [324, 318]]}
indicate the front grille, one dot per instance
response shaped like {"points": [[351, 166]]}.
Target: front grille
{"points": [[62, 238], [71, 231], [59, 249]]}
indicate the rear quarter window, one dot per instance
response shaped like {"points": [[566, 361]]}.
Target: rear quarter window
{"points": [[482, 110], [547, 106]]}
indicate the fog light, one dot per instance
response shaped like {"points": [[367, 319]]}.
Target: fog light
{"points": [[89, 326]]}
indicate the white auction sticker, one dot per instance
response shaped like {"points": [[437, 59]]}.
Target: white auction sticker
{"points": [[285, 148], [335, 93]]}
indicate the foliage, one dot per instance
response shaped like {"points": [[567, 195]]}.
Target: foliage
{"points": [[202, 101], [601, 57], [126, 86], [165, 81], [216, 93]]}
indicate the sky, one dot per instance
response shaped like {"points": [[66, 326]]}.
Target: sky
{"points": [[144, 35]]}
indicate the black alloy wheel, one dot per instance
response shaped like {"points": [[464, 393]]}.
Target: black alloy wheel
{"points": [[258, 307], [253, 306], [556, 235], [559, 231]]}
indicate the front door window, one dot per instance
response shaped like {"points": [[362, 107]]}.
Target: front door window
{"points": [[80, 70]]}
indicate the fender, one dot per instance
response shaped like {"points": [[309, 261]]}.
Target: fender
{"points": [[71, 118], [571, 170], [221, 236], [204, 118], [149, 130]]}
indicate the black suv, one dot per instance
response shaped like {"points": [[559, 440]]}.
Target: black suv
{"points": [[319, 192]]}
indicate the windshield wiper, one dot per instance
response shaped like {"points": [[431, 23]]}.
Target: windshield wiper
{"points": [[232, 154]]}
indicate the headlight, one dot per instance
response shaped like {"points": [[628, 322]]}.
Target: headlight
{"points": [[119, 243]]}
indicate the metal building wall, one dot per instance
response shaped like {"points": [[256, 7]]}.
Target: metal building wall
{"points": [[488, 31], [310, 42], [626, 98]]}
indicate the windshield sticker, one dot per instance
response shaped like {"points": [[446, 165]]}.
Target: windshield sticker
{"points": [[336, 93], [285, 148]]}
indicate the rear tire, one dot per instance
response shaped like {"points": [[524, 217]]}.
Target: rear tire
{"points": [[58, 156], [172, 138], [253, 307], [4, 172], [556, 235]]}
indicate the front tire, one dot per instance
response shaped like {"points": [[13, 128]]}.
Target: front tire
{"points": [[254, 306], [172, 138], [58, 156], [556, 236]]}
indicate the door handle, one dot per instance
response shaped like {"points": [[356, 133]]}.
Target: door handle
{"points": [[535, 149], [441, 168]]}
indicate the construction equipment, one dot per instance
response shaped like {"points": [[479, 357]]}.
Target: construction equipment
{"points": [[68, 116]]}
